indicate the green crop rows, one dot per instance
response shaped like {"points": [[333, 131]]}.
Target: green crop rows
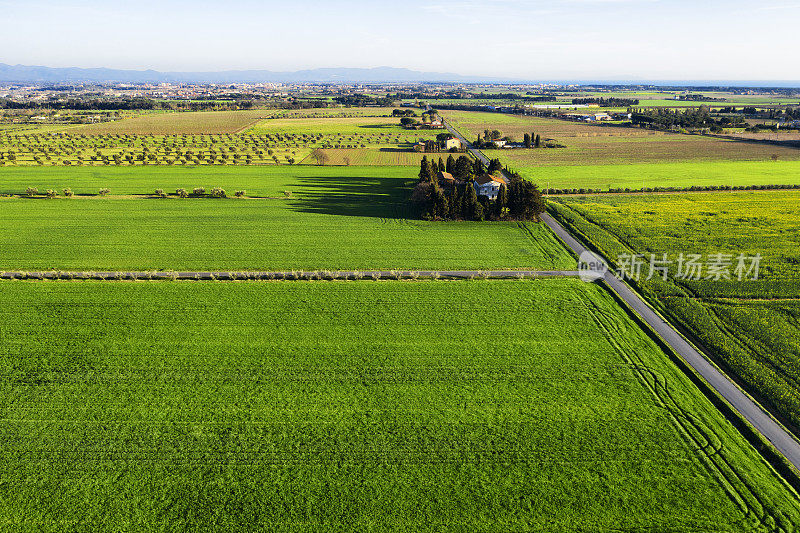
{"points": [[369, 405], [752, 326]]}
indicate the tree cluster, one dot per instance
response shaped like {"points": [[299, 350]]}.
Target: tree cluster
{"points": [[606, 102], [520, 200], [363, 100], [664, 118]]}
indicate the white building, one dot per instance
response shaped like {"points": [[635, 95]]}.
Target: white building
{"points": [[489, 185]]}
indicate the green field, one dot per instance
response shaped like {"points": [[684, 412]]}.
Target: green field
{"points": [[209, 122], [383, 406], [636, 176], [336, 219], [257, 180], [752, 327]]}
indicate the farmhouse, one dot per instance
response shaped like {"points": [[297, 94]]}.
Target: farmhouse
{"points": [[452, 143], [489, 185], [597, 117]]}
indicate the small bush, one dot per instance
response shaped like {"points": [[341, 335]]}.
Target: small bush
{"points": [[31, 191], [287, 194], [218, 192], [181, 193], [68, 192], [239, 194], [160, 193], [51, 193], [104, 192], [199, 191]]}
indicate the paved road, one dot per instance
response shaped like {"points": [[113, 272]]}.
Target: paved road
{"points": [[473, 151], [783, 441], [297, 274]]}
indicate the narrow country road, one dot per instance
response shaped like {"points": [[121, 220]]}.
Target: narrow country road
{"points": [[783, 441], [780, 438]]}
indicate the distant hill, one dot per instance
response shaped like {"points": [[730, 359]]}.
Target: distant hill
{"points": [[39, 74]]}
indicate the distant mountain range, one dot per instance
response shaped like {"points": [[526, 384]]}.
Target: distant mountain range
{"points": [[38, 74], [47, 75]]}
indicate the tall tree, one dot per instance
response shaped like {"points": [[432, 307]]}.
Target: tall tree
{"points": [[478, 167], [441, 168], [463, 168], [472, 207], [426, 172], [538, 141], [527, 140], [451, 164], [501, 203]]}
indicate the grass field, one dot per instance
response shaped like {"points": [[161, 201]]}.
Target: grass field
{"points": [[351, 126], [390, 155], [359, 405], [588, 144], [257, 180], [636, 176], [753, 327], [337, 218], [210, 122]]}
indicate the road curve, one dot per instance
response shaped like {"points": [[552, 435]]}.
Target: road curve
{"points": [[780, 438]]}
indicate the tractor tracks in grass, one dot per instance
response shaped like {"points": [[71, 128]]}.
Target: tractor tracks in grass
{"points": [[725, 394], [695, 433]]}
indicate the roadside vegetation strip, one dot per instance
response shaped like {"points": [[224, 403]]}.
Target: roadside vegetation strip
{"points": [[393, 395], [749, 327], [290, 275]]}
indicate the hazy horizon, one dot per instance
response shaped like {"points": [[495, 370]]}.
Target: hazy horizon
{"points": [[602, 40]]}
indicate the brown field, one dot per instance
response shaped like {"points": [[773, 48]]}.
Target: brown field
{"points": [[588, 144], [177, 123]]}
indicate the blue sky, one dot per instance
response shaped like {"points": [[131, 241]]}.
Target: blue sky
{"points": [[554, 39]]}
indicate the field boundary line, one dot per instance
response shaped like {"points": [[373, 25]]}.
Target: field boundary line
{"points": [[283, 275]]}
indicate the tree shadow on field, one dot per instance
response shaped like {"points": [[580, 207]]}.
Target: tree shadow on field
{"points": [[354, 196]]}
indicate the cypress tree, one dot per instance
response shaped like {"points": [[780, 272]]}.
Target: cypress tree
{"points": [[478, 168], [463, 168], [502, 201], [440, 207], [455, 203], [424, 170], [451, 164], [442, 168], [527, 140], [538, 141], [473, 209]]}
